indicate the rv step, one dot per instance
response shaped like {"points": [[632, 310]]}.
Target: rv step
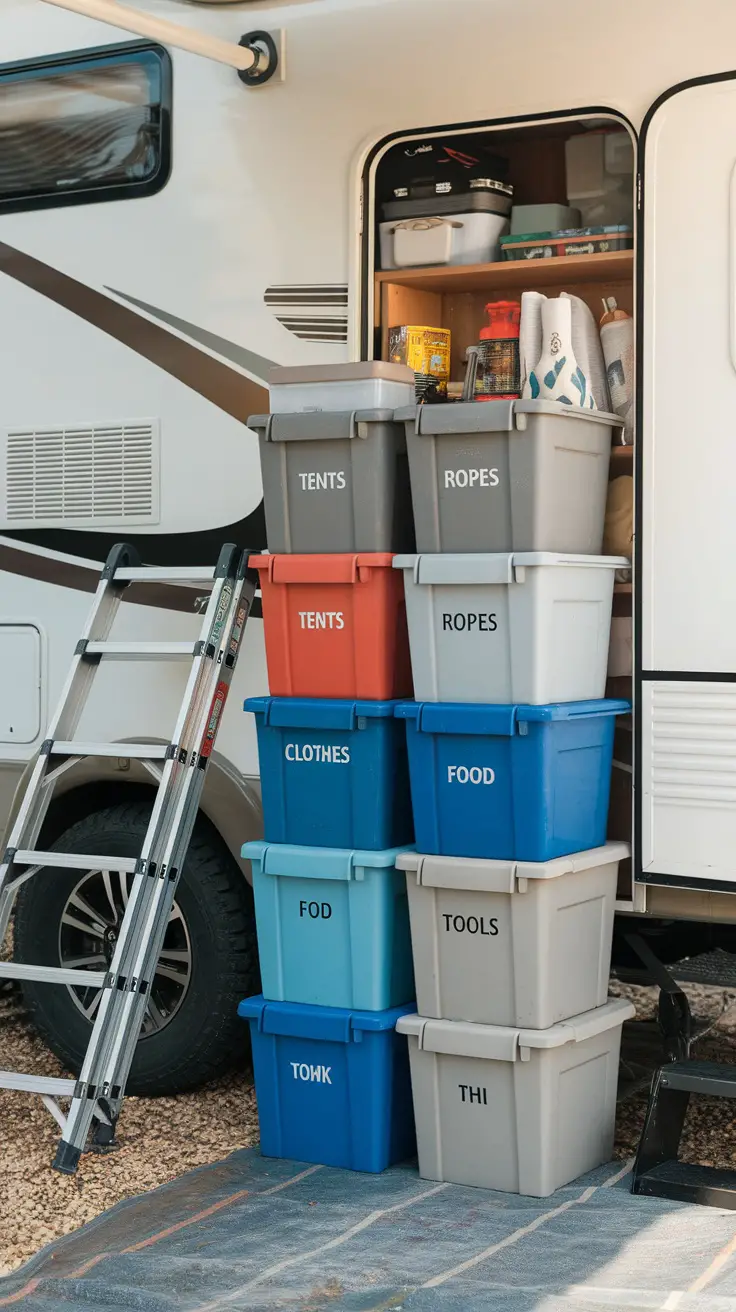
{"points": [[43, 1084], [79, 979], [686, 1183], [126, 865], [166, 574], [657, 1171], [141, 651], [124, 751]]}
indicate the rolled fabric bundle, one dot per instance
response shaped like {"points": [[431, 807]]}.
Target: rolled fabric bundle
{"points": [[617, 341], [586, 343], [530, 338]]}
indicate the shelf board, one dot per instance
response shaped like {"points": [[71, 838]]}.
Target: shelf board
{"points": [[622, 453], [623, 588], [615, 266]]}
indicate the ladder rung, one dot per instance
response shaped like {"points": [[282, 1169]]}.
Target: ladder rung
{"points": [[90, 979], [130, 751], [76, 861], [166, 574], [141, 651], [37, 1084]]}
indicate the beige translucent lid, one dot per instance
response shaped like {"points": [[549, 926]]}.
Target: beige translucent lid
{"points": [[356, 371]]}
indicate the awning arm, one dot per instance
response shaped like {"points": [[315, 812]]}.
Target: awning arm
{"points": [[255, 59]]}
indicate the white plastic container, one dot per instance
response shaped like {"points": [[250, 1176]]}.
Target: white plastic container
{"points": [[520, 1110], [468, 238], [512, 942], [361, 385], [527, 627]]}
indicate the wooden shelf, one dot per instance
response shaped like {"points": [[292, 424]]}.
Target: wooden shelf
{"points": [[572, 269], [622, 454], [622, 589]]}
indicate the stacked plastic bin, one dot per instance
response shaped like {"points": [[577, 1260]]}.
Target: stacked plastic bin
{"points": [[514, 1048], [331, 1072]]}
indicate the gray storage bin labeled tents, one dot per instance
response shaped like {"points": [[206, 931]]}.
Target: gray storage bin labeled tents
{"points": [[527, 627], [509, 475], [510, 942], [335, 481], [521, 1110]]}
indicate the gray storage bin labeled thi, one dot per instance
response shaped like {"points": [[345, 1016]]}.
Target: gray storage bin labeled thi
{"points": [[508, 476], [334, 481], [512, 942], [520, 1110]]}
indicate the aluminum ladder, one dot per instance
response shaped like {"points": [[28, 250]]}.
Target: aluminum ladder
{"points": [[97, 1095]]}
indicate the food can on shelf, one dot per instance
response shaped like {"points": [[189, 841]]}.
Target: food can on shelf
{"points": [[427, 352]]}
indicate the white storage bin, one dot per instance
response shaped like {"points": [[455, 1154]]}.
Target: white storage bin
{"points": [[520, 1110], [362, 385], [469, 238], [512, 942], [525, 627]]}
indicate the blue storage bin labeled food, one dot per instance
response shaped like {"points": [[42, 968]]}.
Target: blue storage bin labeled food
{"points": [[333, 773], [332, 1085], [523, 783], [333, 926]]}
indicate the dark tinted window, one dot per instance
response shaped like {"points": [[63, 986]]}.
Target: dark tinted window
{"points": [[84, 128]]}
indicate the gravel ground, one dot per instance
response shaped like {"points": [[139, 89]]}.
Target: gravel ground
{"points": [[162, 1138], [159, 1138]]}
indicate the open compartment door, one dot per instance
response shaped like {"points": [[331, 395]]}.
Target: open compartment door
{"points": [[686, 505]]}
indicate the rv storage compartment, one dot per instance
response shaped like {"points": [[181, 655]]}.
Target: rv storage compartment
{"points": [[333, 773], [520, 1110], [335, 626], [512, 943], [333, 926], [363, 385], [332, 1085], [522, 627], [513, 783], [460, 229], [335, 481], [509, 476]]}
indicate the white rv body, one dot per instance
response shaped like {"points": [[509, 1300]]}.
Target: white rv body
{"points": [[267, 190]]}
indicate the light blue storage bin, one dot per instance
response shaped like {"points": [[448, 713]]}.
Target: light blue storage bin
{"points": [[333, 926]]}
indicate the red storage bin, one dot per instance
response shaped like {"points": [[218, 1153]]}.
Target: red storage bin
{"points": [[335, 626]]}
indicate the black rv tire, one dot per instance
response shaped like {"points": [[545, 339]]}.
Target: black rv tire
{"points": [[204, 1037]]}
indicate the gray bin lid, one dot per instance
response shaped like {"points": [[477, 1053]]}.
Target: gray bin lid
{"points": [[482, 876], [504, 1043], [495, 567], [493, 416], [318, 425], [356, 371]]}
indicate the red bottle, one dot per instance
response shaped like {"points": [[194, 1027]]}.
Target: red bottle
{"points": [[498, 377]]}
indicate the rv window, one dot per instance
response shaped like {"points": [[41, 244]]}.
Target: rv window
{"points": [[86, 129]]}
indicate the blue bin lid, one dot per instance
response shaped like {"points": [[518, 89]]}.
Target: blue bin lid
{"points": [[470, 718], [315, 712], [289, 859], [299, 1020]]}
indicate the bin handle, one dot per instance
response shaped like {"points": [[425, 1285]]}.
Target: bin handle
{"points": [[424, 225]]}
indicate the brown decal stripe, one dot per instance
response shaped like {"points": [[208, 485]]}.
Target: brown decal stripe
{"points": [[216, 382], [66, 574]]}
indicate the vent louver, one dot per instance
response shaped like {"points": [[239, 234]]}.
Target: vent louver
{"points": [[86, 474]]}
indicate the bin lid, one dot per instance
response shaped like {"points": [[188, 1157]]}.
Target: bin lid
{"points": [[356, 371], [484, 876], [295, 861], [505, 1043], [491, 416], [320, 425], [343, 567], [477, 718], [303, 1021], [316, 712], [493, 567]]}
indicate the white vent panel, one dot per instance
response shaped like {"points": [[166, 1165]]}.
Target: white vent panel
{"points": [[103, 474]]}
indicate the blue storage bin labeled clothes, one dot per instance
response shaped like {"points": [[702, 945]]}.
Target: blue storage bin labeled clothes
{"points": [[333, 926], [523, 783], [332, 1085], [333, 773]]}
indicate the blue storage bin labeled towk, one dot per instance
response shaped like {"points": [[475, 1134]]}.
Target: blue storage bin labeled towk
{"points": [[333, 773], [524, 783], [333, 926], [332, 1085]]}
